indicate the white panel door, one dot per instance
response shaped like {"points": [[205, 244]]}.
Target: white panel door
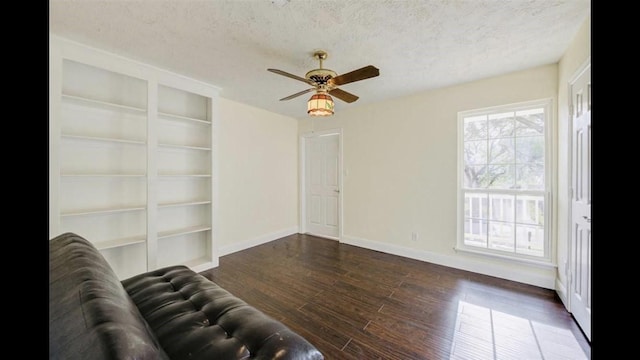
{"points": [[322, 185], [580, 284]]}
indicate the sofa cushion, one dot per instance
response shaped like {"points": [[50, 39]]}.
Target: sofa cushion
{"points": [[90, 314], [195, 318]]}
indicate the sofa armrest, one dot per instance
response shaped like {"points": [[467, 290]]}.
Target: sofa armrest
{"points": [[90, 314], [194, 318]]}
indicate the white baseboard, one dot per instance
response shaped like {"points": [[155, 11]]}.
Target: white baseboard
{"points": [[459, 262], [561, 290], [242, 245], [207, 266]]}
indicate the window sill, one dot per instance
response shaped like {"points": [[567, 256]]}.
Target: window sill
{"points": [[538, 263]]}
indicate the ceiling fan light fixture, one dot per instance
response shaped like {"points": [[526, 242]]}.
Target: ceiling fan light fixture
{"points": [[325, 81], [320, 105]]}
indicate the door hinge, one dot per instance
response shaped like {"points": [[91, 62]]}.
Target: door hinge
{"points": [[571, 111]]}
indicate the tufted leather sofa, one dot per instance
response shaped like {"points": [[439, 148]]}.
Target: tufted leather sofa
{"points": [[169, 313]]}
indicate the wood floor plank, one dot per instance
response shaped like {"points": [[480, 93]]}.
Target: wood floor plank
{"points": [[443, 321], [334, 328], [331, 330], [363, 291], [347, 306], [428, 296], [362, 351], [410, 343], [354, 303]]}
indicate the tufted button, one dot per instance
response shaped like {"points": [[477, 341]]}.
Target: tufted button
{"points": [[205, 322]]}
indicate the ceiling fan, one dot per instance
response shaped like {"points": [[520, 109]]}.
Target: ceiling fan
{"points": [[325, 82]]}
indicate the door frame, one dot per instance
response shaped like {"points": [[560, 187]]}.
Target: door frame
{"points": [[304, 137], [569, 219]]}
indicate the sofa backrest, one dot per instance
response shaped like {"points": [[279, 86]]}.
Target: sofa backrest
{"points": [[91, 316]]}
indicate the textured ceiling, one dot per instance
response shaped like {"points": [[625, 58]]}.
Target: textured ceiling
{"points": [[417, 44]]}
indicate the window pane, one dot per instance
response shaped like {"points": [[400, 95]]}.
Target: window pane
{"points": [[467, 202], [475, 205], [475, 177], [500, 177], [501, 236], [530, 209], [530, 177], [530, 240], [501, 126], [501, 207], [475, 232], [475, 128], [475, 152], [530, 122], [530, 150], [501, 151]]}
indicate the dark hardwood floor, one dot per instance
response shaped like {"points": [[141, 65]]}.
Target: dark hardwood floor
{"points": [[354, 303]]}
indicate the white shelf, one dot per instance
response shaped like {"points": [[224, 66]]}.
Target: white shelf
{"points": [[183, 175], [175, 146], [102, 211], [183, 231], [167, 116], [200, 264], [185, 203], [103, 175], [115, 243], [103, 139], [100, 103]]}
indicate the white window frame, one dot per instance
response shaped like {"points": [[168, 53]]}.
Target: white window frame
{"points": [[545, 260]]}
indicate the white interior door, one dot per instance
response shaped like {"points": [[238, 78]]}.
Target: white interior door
{"points": [[322, 180], [580, 283]]}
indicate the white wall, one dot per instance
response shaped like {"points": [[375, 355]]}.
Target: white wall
{"points": [[258, 169], [400, 157], [575, 56]]}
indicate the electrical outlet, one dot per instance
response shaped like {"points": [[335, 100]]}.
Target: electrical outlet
{"points": [[414, 236]]}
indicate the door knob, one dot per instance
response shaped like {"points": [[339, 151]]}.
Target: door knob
{"points": [[336, 190], [586, 218]]}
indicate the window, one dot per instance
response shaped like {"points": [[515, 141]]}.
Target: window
{"points": [[504, 180]]}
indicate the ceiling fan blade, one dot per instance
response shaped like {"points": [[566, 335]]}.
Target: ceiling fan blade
{"points": [[297, 94], [343, 95], [296, 77], [355, 75]]}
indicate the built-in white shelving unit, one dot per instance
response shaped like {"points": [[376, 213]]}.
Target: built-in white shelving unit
{"points": [[132, 160], [184, 200]]}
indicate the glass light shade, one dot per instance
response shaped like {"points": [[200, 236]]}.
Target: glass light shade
{"points": [[320, 105]]}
